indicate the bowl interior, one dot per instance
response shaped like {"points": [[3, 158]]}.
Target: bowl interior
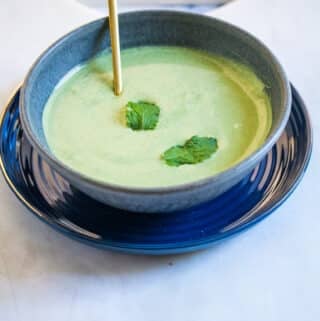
{"points": [[150, 28]]}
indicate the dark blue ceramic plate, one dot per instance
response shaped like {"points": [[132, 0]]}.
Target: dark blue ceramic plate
{"points": [[54, 201]]}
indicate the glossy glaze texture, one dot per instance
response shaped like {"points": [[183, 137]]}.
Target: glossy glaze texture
{"points": [[52, 199]]}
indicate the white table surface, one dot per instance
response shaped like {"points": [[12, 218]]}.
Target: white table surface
{"points": [[270, 272]]}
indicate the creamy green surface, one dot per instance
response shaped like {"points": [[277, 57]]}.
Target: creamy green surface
{"points": [[198, 94]]}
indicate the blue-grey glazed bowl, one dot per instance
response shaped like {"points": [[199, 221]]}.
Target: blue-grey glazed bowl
{"points": [[153, 28]]}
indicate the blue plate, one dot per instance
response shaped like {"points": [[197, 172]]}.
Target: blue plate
{"points": [[56, 202]]}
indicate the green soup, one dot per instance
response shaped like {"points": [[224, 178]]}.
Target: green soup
{"points": [[198, 94]]}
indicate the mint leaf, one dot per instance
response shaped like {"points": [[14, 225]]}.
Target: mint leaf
{"points": [[142, 115], [195, 150], [177, 155], [201, 147]]}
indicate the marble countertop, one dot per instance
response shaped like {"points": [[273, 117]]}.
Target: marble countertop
{"points": [[269, 273]]}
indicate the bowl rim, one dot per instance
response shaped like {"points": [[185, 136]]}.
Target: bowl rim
{"points": [[227, 174]]}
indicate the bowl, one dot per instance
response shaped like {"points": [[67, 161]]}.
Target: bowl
{"points": [[154, 28]]}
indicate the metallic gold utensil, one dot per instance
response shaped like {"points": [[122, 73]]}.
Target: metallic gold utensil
{"points": [[115, 47]]}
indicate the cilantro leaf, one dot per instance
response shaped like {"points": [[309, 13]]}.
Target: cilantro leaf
{"points": [[142, 115], [195, 150]]}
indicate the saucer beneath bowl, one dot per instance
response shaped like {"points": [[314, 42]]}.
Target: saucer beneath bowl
{"points": [[52, 199]]}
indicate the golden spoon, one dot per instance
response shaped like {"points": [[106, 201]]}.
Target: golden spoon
{"points": [[115, 47]]}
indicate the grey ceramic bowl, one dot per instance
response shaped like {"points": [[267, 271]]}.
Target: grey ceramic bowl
{"points": [[153, 28]]}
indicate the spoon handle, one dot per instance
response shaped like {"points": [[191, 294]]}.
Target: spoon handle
{"points": [[115, 46]]}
